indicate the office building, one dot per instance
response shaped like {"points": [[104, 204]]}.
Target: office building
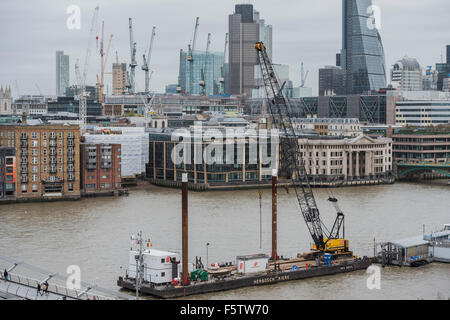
{"points": [[71, 105], [406, 75], [265, 33], [347, 159], [362, 49], [47, 159], [430, 79], [75, 91], [421, 145], [31, 105], [62, 72], [378, 108], [171, 89], [205, 64], [443, 70], [331, 81], [243, 33], [119, 105], [338, 60], [119, 78], [422, 112], [343, 127], [418, 108], [446, 85], [281, 70], [162, 170]]}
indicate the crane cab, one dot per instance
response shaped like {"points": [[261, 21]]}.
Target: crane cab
{"points": [[259, 46], [334, 245]]}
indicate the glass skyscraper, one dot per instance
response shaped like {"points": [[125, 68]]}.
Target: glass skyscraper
{"points": [[211, 63], [62, 72], [362, 48]]}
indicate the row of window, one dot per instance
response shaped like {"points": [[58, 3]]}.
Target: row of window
{"points": [[52, 135]]}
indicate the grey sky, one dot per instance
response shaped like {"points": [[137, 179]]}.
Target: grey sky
{"points": [[303, 30]]}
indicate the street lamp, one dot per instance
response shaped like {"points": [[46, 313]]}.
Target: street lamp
{"points": [[207, 265]]}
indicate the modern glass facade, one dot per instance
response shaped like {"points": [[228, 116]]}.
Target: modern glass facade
{"points": [[211, 63], [234, 165], [363, 53], [62, 72]]}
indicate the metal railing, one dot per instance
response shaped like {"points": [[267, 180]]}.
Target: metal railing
{"points": [[30, 285]]}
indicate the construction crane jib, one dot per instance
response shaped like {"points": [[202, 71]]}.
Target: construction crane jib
{"points": [[292, 165], [133, 63], [204, 70], [82, 80], [146, 64], [190, 57]]}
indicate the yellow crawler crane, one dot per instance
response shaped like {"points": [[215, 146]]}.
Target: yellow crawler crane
{"points": [[292, 165]]}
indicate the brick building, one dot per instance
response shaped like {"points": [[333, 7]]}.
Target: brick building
{"points": [[101, 167], [47, 159], [7, 173]]}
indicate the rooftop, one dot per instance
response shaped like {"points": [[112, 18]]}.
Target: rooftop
{"points": [[410, 242], [440, 129]]}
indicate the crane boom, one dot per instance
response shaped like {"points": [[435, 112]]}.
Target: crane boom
{"points": [[146, 64], [190, 57], [83, 96], [133, 62], [222, 69], [103, 62], [292, 165], [202, 82]]}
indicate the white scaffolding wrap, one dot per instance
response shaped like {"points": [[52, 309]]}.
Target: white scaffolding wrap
{"points": [[134, 147]]}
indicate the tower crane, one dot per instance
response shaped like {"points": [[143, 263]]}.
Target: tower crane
{"points": [[190, 57], [202, 82], [303, 75], [133, 62], [222, 69], [82, 79], [293, 166], [103, 63], [145, 65]]}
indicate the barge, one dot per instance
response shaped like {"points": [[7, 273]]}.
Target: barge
{"points": [[228, 277]]}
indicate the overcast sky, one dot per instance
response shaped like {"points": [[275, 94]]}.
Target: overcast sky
{"points": [[303, 30]]}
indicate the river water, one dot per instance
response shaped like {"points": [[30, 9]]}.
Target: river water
{"points": [[94, 234]]}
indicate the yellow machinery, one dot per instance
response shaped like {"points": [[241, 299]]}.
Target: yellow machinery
{"points": [[334, 245]]}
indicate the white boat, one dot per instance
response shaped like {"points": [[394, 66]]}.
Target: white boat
{"points": [[440, 244]]}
